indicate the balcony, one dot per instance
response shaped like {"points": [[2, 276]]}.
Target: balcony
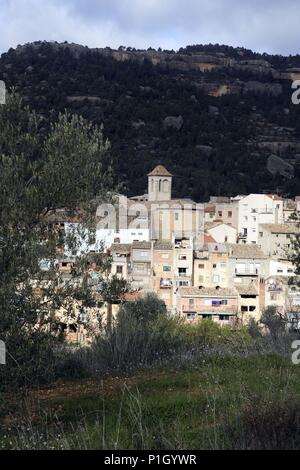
{"points": [[247, 272], [275, 289], [183, 275], [165, 283]]}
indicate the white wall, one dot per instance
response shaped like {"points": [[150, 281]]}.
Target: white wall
{"points": [[105, 237], [220, 232], [280, 268], [258, 209]]}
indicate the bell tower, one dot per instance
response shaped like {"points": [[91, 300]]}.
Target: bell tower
{"points": [[159, 184]]}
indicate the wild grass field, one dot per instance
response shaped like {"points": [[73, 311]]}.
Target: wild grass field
{"points": [[222, 403]]}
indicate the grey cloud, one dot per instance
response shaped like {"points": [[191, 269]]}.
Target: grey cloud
{"points": [[270, 26]]}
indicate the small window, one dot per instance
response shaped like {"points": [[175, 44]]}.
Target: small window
{"points": [[230, 214], [119, 269]]}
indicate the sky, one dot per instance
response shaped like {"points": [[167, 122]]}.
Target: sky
{"points": [[265, 26]]}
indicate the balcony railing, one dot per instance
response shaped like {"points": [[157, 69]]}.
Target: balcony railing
{"points": [[247, 272]]}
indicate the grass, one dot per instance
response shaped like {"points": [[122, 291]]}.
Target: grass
{"points": [[203, 406]]}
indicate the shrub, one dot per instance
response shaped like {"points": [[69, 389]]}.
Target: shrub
{"points": [[263, 425]]}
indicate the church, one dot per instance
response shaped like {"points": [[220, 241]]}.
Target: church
{"points": [[169, 219]]}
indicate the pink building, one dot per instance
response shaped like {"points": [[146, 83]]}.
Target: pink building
{"points": [[216, 303]]}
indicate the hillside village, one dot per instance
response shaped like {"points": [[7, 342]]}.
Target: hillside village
{"points": [[226, 260]]}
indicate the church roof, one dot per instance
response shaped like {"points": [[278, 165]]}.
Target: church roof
{"points": [[159, 170]]}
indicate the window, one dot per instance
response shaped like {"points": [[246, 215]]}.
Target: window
{"points": [[182, 257], [214, 266], [223, 318], [252, 308], [191, 303], [166, 268], [176, 216], [273, 296], [230, 214], [216, 278], [119, 269], [165, 296], [190, 316], [220, 213], [201, 266], [144, 254], [165, 255], [139, 267], [183, 283]]}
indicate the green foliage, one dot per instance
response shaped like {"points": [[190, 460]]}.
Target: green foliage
{"points": [[274, 321], [236, 403], [40, 173], [145, 310]]}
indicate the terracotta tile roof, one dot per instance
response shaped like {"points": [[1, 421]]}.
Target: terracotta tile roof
{"points": [[163, 245], [245, 251], [208, 239], [159, 170], [131, 296], [141, 245], [248, 289], [210, 209], [207, 292], [281, 228], [120, 248]]}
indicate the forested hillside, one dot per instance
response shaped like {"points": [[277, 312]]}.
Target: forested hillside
{"points": [[219, 118]]}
